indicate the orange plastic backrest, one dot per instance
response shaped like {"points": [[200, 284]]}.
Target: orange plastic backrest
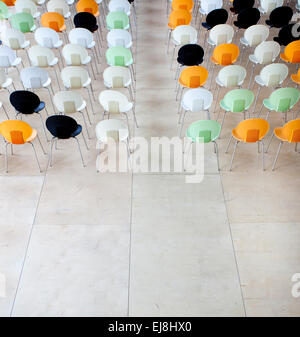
{"points": [[54, 25], [52, 20], [15, 131], [252, 136], [9, 2], [295, 136], [226, 59], [179, 17], [251, 130], [89, 6], [296, 56], [291, 51], [17, 137], [195, 82], [182, 4], [226, 53]]}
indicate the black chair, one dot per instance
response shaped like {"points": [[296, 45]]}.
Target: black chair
{"points": [[189, 55], [280, 16], [240, 5], [85, 20], [27, 103], [286, 36], [215, 17], [64, 127], [247, 17]]}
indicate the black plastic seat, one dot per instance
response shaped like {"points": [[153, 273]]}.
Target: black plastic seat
{"points": [[240, 5], [85, 20], [27, 103], [215, 17], [286, 36], [190, 55], [280, 17], [64, 127], [246, 18]]}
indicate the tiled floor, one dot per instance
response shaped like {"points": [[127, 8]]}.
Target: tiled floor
{"points": [[77, 242]]}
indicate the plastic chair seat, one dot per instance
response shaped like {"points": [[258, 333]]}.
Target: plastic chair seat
{"points": [[77, 131], [40, 107], [295, 78], [268, 104]]}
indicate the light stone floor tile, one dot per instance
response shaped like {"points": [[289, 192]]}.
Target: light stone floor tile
{"points": [[76, 271], [185, 249]]}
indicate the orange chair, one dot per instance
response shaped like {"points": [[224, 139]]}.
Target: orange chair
{"points": [[89, 6], [9, 2], [291, 52], [296, 77], [183, 4], [18, 132], [249, 131], [178, 18], [191, 77], [54, 21], [224, 54], [289, 132]]}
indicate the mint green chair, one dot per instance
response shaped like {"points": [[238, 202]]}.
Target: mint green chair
{"points": [[4, 13], [24, 22], [282, 100], [120, 56], [117, 20], [206, 131], [237, 100]]}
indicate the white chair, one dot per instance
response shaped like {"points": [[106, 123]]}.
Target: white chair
{"points": [[5, 81], [69, 102], [195, 100], [118, 77], [37, 78], [265, 53], [230, 77], [8, 58], [111, 128], [121, 6], [253, 36], [14, 39], [39, 2], [75, 77], [266, 6], [206, 6], [27, 6], [181, 35], [271, 76], [119, 38], [114, 102]]}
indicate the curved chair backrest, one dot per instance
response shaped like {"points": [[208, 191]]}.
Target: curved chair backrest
{"points": [[89, 6], [4, 13], [248, 17], [119, 38], [117, 20], [46, 37], [119, 6], [268, 5], [287, 35], [240, 5], [256, 34], [204, 131], [67, 101], [34, 77], [220, 34], [292, 52], [24, 101], [61, 126], [54, 21], [23, 22], [13, 38], [81, 36], [74, 77], [178, 18], [238, 100], [7, 56], [74, 54], [267, 51], [113, 101], [252, 130], [217, 17], [26, 6], [190, 55], [193, 77], [232, 75], [85, 20], [291, 131], [226, 54], [118, 56], [283, 99], [15, 131], [58, 6], [281, 16], [184, 34], [40, 56], [274, 74], [197, 100], [180, 4], [117, 77]]}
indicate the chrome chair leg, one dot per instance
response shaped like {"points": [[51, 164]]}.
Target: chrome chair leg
{"points": [[36, 157], [233, 154], [217, 154], [80, 151], [51, 148], [228, 144], [276, 157]]}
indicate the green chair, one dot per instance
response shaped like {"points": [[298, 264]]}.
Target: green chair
{"points": [[24, 22], [282, 100], [205, 131], [4, 13], [117, 20], [120, 56], [237, 100]]}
